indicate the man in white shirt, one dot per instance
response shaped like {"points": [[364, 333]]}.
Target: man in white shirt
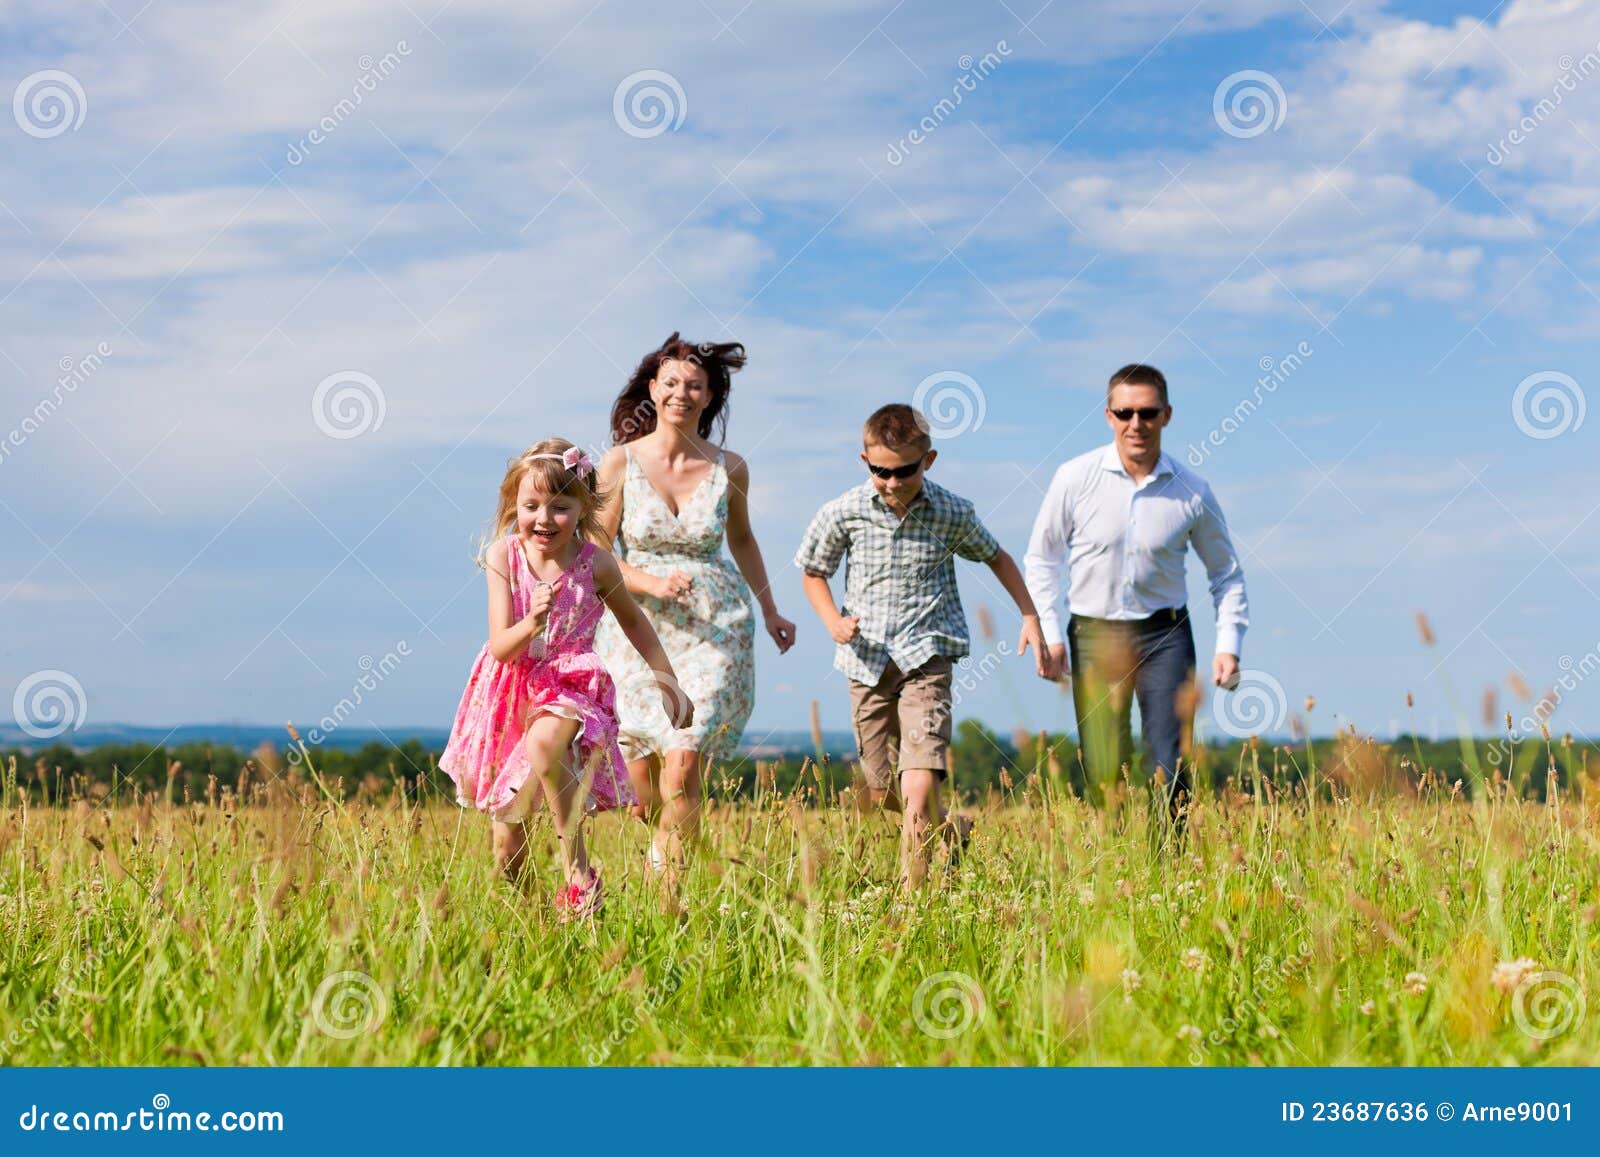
{"points": [[1122, 517]]}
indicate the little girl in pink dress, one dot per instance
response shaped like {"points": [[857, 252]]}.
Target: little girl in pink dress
{"points": [[538, 718]]}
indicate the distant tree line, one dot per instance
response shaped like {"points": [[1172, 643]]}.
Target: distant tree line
{"points": [[982, 761]]}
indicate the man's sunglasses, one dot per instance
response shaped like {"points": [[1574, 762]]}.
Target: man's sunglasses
{"points": [[906, 471], [1148, 413]]}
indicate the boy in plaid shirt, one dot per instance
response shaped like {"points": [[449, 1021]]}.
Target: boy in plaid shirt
{"points": [[901, 623]]}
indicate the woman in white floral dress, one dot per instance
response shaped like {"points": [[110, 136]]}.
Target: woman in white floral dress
{"points": [[676, 494]]}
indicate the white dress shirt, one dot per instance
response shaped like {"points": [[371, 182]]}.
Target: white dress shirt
{"points": [[1124, 543]]}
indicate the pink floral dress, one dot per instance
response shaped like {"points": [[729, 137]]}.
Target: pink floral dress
{"points": [[560, 674]]}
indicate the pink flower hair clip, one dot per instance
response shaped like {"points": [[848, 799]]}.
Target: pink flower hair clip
{"points": [[574, 459]]}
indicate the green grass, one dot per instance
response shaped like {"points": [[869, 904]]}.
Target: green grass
{"points": [[146, 933]]}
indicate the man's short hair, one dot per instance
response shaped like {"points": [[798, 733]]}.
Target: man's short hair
{"points": [[1138, 374], [897, 426]]}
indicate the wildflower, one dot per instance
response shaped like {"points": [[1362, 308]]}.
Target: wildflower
{"points": [[1415, 984], [1369, 1007], [1509, 975], [1131, 982], [1190, 1032], [1193, 959]]}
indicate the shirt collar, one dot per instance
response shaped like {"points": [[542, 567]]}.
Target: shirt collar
{"points": [[1111, 460], [926, 494]]}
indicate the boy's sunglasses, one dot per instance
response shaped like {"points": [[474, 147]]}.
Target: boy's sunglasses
{"points": [[905, 471], [1148, 413]]}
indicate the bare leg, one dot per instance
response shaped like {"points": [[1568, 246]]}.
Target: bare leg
{"points": [[510, 850], [680, 803], [550, 755], [922, 804]]}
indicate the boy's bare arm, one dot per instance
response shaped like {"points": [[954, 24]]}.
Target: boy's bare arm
{"points": [[842, 628], [1005, 569]]}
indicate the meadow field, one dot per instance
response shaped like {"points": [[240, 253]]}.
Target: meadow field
{"points": [[1308, 918]]}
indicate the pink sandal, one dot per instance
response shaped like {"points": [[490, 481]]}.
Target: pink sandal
{"points": [[581, 901]]}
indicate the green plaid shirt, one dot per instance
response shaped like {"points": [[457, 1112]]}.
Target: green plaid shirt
{"points": [[900, 578]]}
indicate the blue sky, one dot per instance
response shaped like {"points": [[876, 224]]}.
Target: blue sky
{"points": [[485, 242]]}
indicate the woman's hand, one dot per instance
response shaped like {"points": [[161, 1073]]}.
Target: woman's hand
{"points": [[672, 587], [677, 705], [781, 630]]}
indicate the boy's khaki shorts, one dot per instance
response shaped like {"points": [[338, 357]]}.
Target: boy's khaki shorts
{"points": [[902, 722]]}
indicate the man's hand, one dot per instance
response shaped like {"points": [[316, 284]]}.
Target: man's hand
{"points": [[1225, 670], [1055, 666], [1031, 637], [844, 628]]}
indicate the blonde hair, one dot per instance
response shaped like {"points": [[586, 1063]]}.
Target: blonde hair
{"points": [[543, 461]]}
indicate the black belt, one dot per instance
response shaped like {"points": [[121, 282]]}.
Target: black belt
{"points": [[1166, 616]]}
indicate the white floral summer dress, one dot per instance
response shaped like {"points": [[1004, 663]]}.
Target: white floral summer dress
{"points": [[709, 635]]}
